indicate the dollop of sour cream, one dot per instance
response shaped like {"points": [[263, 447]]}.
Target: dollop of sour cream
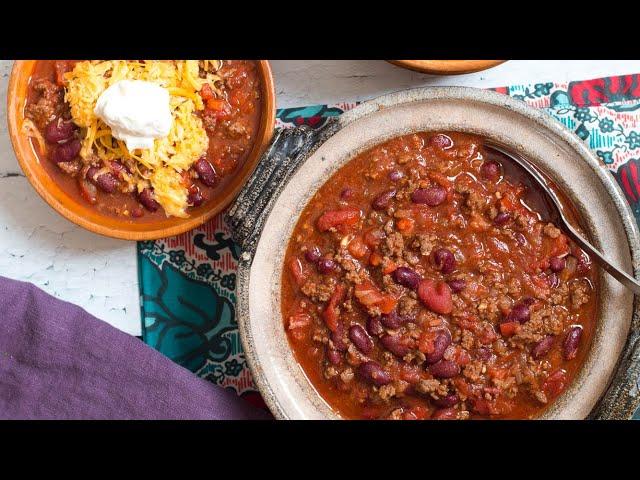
{"points": [[137, 112]]}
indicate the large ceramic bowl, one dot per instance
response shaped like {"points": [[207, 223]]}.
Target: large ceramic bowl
{"points": [[82, 214], [267, 211]]}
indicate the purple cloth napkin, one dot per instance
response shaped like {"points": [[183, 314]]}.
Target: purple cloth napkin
{"points": [[59, 362]]}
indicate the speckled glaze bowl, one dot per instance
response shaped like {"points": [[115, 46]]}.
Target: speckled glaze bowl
{"points": [[300, 161]]}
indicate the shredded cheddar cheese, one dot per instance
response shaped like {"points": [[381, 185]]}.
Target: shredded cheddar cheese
{"points": [[187, 141]]}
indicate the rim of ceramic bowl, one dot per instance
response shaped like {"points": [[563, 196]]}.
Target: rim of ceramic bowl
{"points": [[87, 217], [447, 67], [548, 124]]}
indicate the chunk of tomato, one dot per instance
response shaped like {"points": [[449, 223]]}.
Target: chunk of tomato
{"points": [[338, 218], [331, 312], [436, 296]]}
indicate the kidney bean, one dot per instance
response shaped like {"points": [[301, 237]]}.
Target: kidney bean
{"points": [[91, 174], [446, 401], [490, 170], [444, 369], [59, 131], [571, 343], [346, 193], [374, 326], [444, 260], [395, 344], [374, 373], [147, 199], [206, 172], [137, 212], [440, 344], [395, 175], [541, 348], [337, 337], [118, 168], [431, 196], [334, 356], [392, 320], [313, 254], [483, 353], [326, 265], [457, 285], [383, 200], [106, 182], [66, 151], [195, 197], [445, 414], [88, 190], [361, 339], [502, 218], [557, 264], [441, 141], [519, 313], [520, 238], [407, 277]]}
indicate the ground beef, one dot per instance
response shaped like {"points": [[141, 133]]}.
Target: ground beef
{"points": [[347, 375], [71, 168], [425, 243], [319, 291], [473, 371], [396, 414], [543, 322], [386, 392], [475, 201], [394, 245], [410, 257], [210, 121], [408, 306], [560, 294], [550, 230], [50, 103], [467, 339], [330, 372], [236, 129], [579, 293], [432, 385]]}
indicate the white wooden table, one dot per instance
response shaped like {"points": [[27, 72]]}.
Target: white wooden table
{"points": [[100, 274]]}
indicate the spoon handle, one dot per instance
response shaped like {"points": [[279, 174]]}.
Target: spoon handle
{"points": [[617, 273]]}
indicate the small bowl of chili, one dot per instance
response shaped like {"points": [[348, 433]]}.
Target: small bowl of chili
{"points": [[420, 278], [223, 114]]}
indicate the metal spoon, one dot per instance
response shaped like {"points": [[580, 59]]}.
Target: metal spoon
{"points": [[558, 218]]}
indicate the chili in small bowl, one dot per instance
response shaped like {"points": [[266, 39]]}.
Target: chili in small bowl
{"points": [[97, 192]]}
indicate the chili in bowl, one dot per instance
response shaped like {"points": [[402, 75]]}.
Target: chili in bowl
{"points": [[139, 149], [421, 282], [405, 272]]}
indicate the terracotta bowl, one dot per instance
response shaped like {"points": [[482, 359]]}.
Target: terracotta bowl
{"points": [[610, 366], [87, 217], [447, 67]]}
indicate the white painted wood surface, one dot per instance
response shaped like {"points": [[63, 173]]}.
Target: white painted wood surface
{"points": [[100, 274]]}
